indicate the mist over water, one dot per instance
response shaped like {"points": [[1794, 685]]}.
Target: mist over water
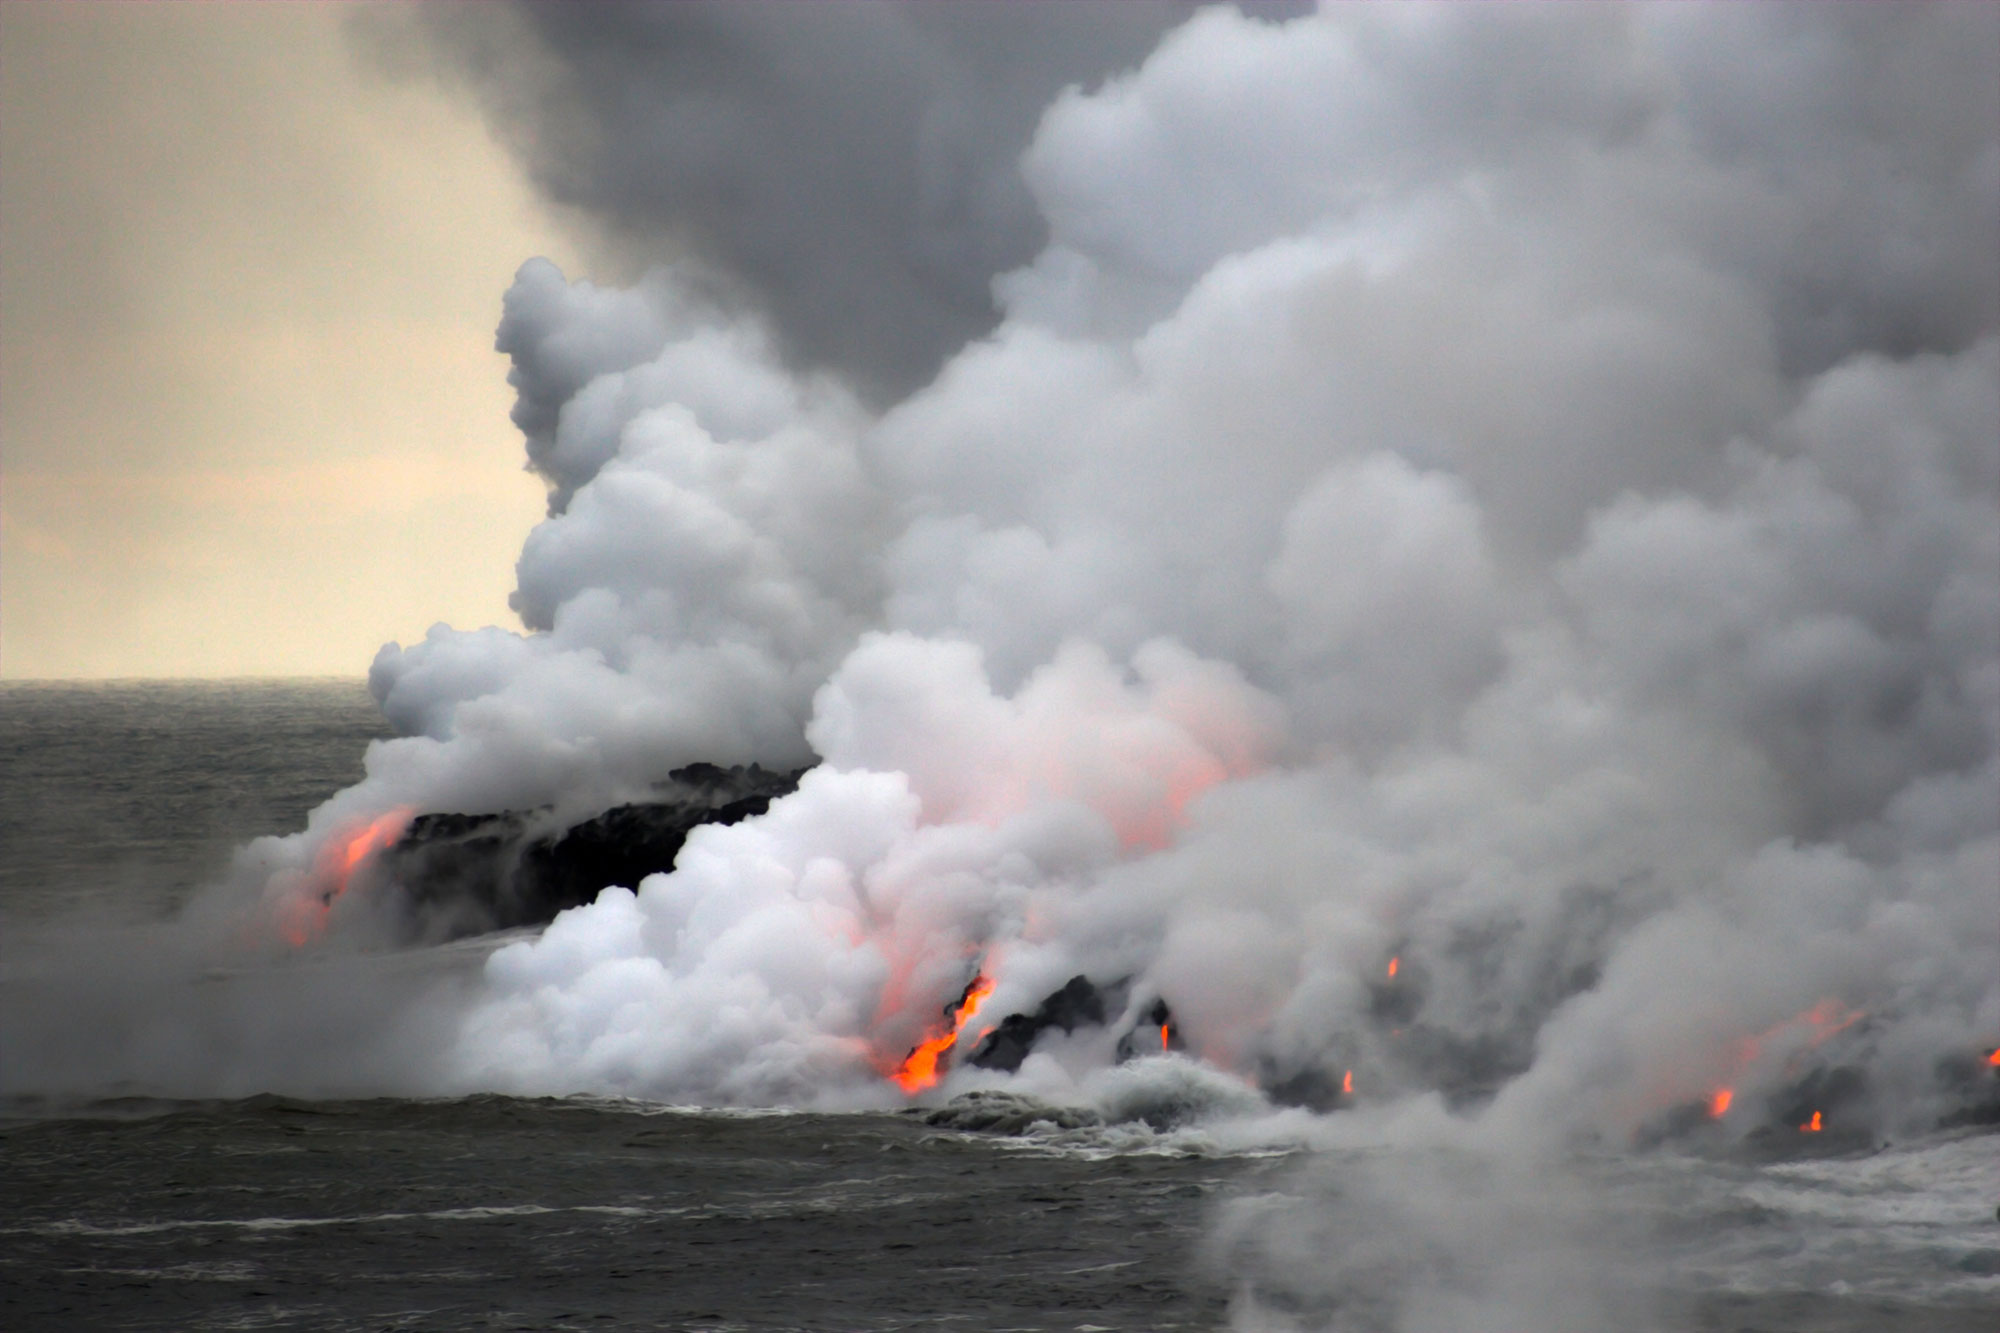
{"points": [[1466, 567]]}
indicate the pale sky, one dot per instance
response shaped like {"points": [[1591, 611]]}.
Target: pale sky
{"points": [[251, 419]]}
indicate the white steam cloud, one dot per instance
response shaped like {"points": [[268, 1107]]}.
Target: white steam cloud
{"points": [[1513, 492]]}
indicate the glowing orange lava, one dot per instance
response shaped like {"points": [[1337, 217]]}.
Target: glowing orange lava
{"points": [[919, 1069], [1811, 1126], [1394, 963], [1793, 1038], [1993, 1057], [347, 855], [333, 870], [1347, 1084], [1166, 1037]]}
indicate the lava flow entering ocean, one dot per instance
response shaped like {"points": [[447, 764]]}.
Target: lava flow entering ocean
{"points": [[1803, 1032], [334, 868], [919, 1069]]}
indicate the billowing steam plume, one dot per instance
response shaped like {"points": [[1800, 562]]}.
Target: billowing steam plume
{"points": [[1466, 573]]}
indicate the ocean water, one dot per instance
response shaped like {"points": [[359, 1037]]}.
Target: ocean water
{"points": [[125, 796], [120, 1209]]}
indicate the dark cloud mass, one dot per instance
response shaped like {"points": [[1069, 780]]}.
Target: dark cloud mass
{"points": [[850, 165]]}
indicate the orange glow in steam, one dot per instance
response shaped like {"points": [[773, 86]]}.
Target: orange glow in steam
{"points": [[1394, 963], [1152, 824], [1347, 1083], [1166, 1035], [1811, 1126], [1993, 1057], [347, 855], [1819, 1024], [919, 1069], [333, 870], [1797, 1035]]}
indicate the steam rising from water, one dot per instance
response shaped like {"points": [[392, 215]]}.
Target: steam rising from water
{"points": [[1510, 491]]}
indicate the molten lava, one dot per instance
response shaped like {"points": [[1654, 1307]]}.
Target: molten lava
{"points": [[1347, 1084], [1993, 1057], [1166, 1038], [1394, 963], [1811, 1126], [333, 870], [919, 1069], [1793, 1038]]}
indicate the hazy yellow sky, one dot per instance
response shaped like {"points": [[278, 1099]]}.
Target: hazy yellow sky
{"points": [[251, 421]]}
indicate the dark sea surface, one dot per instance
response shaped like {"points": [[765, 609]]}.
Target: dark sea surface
{"points": [[122, 1210], [505, 1213], [127, 795]]}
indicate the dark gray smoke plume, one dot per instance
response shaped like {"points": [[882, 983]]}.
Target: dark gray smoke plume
{"points": [[850, 167]]}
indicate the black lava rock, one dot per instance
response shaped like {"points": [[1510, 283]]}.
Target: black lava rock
{"points": [[1078, 1003], [462, 874], [1154, 1034]]}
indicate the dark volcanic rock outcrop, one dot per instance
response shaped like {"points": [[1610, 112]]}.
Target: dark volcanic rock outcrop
{"points": [[995, 1112], [1153, 1034], [1078, 1003], [461, 874]]}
